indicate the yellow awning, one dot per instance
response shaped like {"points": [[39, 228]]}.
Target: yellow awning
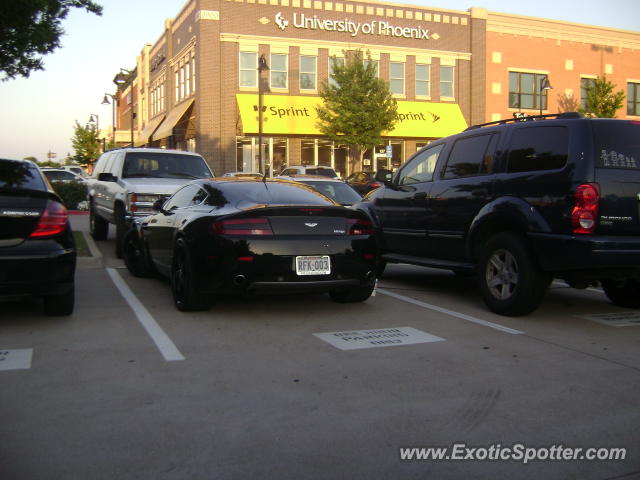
{"points": [[296, 115], [143, 136], [174, 116]]}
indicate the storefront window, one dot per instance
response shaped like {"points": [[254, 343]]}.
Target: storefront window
{"points": [[279, 154], [340, 154], [307, 151], [324, 152], [274, 154]]}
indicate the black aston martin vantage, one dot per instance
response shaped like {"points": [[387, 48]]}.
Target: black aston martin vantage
{"points": [[241, 235]]}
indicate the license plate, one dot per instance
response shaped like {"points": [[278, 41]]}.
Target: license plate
{"points": [[313, 265]]}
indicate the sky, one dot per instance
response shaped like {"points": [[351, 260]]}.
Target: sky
{"points": [[38, 113]]}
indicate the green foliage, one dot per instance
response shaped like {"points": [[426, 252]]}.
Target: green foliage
{"points": [[602, 102], [33, 159], [30, 29], [358, 105], [71, 193], [86, 144]]}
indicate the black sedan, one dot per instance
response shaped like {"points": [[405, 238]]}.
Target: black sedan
{"points": [[234, 235], [37, 251], [364, 182]]}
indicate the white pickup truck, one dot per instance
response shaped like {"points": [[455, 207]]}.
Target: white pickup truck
{"points": [[126, 182]]}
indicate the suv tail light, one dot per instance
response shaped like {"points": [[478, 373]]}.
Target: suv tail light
{"points": [[53, 221], [584, 214], [359, 227], [243, 226]]}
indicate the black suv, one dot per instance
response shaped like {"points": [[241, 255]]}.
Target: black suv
{"points": [[520, 202]]}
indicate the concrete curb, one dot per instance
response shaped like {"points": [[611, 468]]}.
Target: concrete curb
{"points": [[95, 260]]}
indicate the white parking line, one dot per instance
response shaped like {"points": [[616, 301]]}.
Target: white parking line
{"points": [[461, 316], [167, 348]]}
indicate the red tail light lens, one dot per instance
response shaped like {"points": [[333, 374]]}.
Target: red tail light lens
{"points": [[53, 221], [359, 227], [375, 185], [585, 208], [243, 226]]}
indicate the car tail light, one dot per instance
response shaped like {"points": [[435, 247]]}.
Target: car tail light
{"points": [[53, 221], [359, 227], [586, 202], [375, 185], [243, 226]]}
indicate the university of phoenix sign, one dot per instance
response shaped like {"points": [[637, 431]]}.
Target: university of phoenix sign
{"points": [[375, 27]]}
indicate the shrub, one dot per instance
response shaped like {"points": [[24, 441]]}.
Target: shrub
{"points": [[71, 193]]}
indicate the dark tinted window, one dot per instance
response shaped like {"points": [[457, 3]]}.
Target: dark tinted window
{"points": [[164, 165], [468, 157], [538, 148], [617, 144], [20, 175], [325, 172], [340, 192], [267, 193]]}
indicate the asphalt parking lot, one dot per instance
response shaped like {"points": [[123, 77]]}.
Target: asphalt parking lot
{"points": [[299, 387]]}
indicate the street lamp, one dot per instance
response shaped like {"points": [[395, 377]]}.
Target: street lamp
{"points": [[262, 66], [93, 118], [544, 86], [120, 79], [105, 101]]}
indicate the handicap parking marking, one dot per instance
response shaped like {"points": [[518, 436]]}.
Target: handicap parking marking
{"points": [[384, 337], [167, 348], [617, 319], [16, 359], [452, 313]]}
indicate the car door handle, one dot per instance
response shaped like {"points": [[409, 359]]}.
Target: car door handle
{"points": [[420, 196]]}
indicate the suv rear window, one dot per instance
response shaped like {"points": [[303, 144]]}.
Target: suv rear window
{"points": [[164, 165], [617, 144], [20, 175], [538, 148]]}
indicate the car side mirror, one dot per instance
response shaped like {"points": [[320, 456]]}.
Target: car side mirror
{"points": [[384, 176], [157, 206], [107, 177]]}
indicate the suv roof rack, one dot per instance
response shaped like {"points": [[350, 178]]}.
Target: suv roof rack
{"points": [[529, 118]]}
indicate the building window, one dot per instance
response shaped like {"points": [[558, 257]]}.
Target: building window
{"points": [[193, 72], [585, 83], [249, 69], [446, 82], [396, 78], [278, 70], [374, 63], [307, 72], [177, 83], [633, 98], [422, 80], [524, 91], [339, 61]]}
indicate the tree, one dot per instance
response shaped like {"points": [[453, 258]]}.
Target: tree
{"points": [[33, 159], [357, 105], [30, 29], [86, 144], [602, 102]]}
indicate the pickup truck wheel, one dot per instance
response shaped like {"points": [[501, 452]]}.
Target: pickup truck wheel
{"points": [[135, 257], [184, 284], [98, 226], [624, 293], [510, 281], [121, 230]]}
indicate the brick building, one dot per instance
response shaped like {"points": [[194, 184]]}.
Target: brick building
{"points": [[198, 87]]}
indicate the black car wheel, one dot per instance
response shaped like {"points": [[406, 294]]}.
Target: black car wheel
{"points": [[135, 257], [510, 281], [59, 305], [353, 294], [121, 230], [184, 285], [625, 293], [98, 227]]}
